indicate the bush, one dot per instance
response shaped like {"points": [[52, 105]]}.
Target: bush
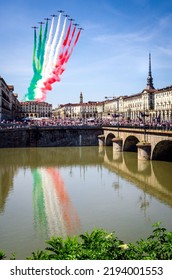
{"points": [[101, 245]]}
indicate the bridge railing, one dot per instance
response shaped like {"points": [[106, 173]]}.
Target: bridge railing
{"points": [[14, 125], [147, 127]]}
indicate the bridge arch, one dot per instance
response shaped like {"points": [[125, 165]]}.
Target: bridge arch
{"points": [[130, 144], [163, 151], [109, 138]]}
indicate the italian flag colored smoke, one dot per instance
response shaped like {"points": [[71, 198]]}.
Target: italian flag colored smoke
{"points": [[52, 50], [54, 212]]}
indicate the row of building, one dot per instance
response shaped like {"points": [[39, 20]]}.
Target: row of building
{"points": [[12, 109], [155, 103]]}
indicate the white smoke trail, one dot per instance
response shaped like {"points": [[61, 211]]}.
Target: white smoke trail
{"points": [[52, 50], [48, 66], [38, 92], [59, 43], [48, 46]]}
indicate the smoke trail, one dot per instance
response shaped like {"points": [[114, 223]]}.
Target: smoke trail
{"points": [[36, 64], [42, 51], [62, 60], [60, 64], [53, 77], [54, 43], [47, 47], [49, 61], [60, 41], [40, 95], [34, 51], [48, 64], [39, 48], [76, 40]]}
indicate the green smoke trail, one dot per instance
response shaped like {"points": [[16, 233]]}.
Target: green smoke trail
{"points": [[37, 61], [39, 48], [34, 52], [42, 51]]}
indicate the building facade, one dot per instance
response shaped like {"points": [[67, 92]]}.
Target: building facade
{"points": [[35, 109], [9, 104], [156, 104], [81, 110]]}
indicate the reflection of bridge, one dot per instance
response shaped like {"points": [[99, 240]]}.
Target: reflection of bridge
{"points": [[12, 160], [158, 142], [153, 177], [146, 174]]}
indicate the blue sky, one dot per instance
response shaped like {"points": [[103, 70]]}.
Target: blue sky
{"points": [[111, 56]]}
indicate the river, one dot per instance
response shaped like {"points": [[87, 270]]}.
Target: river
{"points": [[67, 191]]}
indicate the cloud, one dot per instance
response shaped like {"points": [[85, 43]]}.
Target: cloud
{"points": [[134, 37]]}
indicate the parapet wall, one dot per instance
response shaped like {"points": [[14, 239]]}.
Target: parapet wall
{"points": [[69, 136]]}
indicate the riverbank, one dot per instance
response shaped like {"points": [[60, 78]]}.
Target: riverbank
{"points": [[50, 136], [103, 245]]}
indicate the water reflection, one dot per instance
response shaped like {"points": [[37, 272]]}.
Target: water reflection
{"points": [[53, 210], [65, 191], [154, 177]]}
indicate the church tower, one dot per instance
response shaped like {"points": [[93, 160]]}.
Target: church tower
{"points": [[81, 97], [149, 78]]}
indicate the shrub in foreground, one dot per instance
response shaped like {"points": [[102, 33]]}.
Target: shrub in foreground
{"points": [[101, 245]]}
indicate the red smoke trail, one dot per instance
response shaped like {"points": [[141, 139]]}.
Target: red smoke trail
{"points": [[69, 213], [73, 33], [76, 40], [67, 35], [62, 59]]}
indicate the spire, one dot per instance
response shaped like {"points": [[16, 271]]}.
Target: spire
{"points": [[149, 78], [81, 97]]}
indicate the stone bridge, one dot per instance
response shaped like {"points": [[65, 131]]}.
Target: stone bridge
{"points": [[150, 144]]}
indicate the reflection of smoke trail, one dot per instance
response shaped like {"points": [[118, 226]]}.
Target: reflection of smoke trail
{"points": [[69, 213], [52, 201], [52, 206], [40, 220]]}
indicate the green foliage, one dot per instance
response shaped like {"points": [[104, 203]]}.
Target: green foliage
{"points": [[2, 255], [101, 245], [158, 246], [63, 249], [38, 255]]}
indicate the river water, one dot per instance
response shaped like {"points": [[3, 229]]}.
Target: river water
{"points": [[67, 191]]}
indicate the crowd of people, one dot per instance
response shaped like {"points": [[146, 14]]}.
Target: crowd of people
{"points": [[137, 123]]}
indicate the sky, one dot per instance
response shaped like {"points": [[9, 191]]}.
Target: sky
{"points": [[112, 54]]}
